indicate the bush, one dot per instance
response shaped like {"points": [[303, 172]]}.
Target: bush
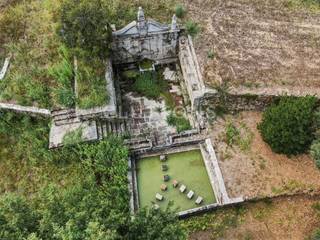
{"points": [[192, 28], [315, 152], [287, 126], [180, 11]]}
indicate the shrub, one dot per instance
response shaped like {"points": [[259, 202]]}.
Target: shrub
{"points": [[315, 152], [180, 11], [287, 126], [192, 28]]}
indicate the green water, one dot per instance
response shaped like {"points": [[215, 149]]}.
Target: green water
{"points": [[186, 167]]}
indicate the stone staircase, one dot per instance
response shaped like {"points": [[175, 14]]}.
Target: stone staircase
{"points": [[64, 117], [115, 126]]}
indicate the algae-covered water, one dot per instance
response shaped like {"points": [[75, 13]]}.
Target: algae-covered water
{"points": [[187, 168]]}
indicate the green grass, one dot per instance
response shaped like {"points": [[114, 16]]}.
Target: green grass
{"points": [[92, 90], [186, 167]]}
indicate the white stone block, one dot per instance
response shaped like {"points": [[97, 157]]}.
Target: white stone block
{"points": [[159, 197], [199, 200], [182, 188], [190, 194]]}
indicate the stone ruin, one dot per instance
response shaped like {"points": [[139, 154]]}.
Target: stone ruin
{"points": [[126, 114]]}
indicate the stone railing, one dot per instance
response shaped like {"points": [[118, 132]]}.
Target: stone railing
{"points": [[24, 109]]}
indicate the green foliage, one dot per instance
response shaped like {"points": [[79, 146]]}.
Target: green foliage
{"points": [[241, 136], [180, 11], [316, 235], [62, 72], [91, 82], [216, 222], [17, 218], [315, 152], [148, 85], [180, 122], [192, 28], [12, 23], [211, 54], [232, 133], [287, 126], [146, 64], [95, 207], [85, 26], [155, 224]]}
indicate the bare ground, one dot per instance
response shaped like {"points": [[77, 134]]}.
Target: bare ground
{"points": [[284, 219], [253, 170], [257, 44]]}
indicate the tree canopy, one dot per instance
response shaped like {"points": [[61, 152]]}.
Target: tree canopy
{"points": [[288, 126]]}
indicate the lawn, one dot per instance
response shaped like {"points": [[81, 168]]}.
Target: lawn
{"points": [[186, 167]]}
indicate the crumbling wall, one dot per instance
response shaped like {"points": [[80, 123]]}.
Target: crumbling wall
{"points": [[233, 102]]}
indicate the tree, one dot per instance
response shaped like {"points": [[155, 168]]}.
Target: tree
{"points": [[17, 218], [155, 224], [287, 126], [85, 26], [315, 152]]}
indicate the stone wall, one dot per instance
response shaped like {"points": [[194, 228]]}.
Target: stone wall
{"points": [[233, 102], [191, 71], [145, 39]]}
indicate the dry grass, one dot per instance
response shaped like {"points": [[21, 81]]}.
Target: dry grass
{"points": [[283, 219], [255, 170], [258, 43]]}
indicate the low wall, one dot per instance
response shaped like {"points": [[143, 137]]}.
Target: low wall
{"points": [[238, 102], [191, 71], [23, 109]]}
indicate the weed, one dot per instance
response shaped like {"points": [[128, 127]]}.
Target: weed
{"points": [[180, 11], [192, 28]]}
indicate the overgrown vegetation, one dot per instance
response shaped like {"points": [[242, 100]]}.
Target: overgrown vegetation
{"points": [[85, 207], [241, 136], [148, 85], [91, 83], [216, 222], [287, 126], [63, 73], [180, 122]]}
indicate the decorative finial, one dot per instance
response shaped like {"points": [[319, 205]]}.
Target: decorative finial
{"points": [[140, 14], [174, 22], [141, 24]]}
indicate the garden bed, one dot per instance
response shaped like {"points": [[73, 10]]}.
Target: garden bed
{"points": [[187, 168], [249, 166]]}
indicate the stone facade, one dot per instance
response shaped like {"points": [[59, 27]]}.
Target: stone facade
{"points": [[145, 38]]}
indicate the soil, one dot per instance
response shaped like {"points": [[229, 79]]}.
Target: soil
{"points": [[283, 219], [257, 171], [257, 44]]}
